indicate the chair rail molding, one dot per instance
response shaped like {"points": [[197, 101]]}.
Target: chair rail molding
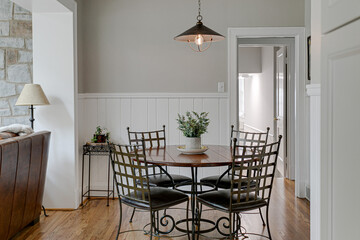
{"points": [[152, 95], [313, 91]]}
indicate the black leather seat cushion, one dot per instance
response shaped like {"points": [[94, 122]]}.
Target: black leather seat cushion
{"points": [[221, 200], [225, 181], [163, 180], [161, 198]]}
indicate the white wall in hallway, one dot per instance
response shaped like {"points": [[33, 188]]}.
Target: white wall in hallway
{"points": [[259, 95], [142, 112]]}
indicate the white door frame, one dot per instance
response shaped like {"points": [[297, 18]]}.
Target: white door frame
{"points": [[297, 107]]}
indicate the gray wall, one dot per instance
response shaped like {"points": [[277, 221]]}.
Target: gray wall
{"points": [[15, 61], [249, 60], [128, 46]]}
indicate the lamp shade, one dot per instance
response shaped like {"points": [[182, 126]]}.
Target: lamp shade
{"points": [[32, 94], [208, 34]]}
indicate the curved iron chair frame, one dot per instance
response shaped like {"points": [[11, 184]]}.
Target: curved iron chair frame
{"points": [[259, 166], [152, 139], [126, 172], [244, 138], [148, 137], [251, 139]]}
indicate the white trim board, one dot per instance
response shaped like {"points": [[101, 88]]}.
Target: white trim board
{"points": [[298, 106], [152, 95], [313, 91]]}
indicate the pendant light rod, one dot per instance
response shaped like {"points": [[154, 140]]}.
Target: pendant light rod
{"points": [[199, 17]]}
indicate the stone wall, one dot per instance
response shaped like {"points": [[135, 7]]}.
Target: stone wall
{"points": [[15, 61]]}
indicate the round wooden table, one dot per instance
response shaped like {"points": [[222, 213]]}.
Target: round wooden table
{"points": [[216, 155]]}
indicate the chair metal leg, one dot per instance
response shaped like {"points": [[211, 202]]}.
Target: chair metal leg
{"points": [[230, 226], [199, 220], [234, 224], [132, 215], [187, 219], [267, 221], [118, 232], [151, 224], [239, 224], [262, 218], [157, 224]]}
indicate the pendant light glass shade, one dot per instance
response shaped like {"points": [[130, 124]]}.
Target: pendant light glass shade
{"points": [[199, 37]]}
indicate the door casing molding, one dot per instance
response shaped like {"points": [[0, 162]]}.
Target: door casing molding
{"points": [[297, 107]]}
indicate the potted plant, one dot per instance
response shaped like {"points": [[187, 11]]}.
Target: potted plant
{"points": [[193, 125], [101, 135]]}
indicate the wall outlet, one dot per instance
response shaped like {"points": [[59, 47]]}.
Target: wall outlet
{"points": [[221, 87]]}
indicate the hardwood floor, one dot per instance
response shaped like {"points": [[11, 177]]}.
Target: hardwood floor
{"points": [[289, 220]]}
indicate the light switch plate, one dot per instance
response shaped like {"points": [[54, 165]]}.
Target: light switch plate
{"points": [[221, 87]]}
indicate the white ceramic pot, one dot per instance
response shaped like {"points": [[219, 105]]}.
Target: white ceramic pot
{"points": [[192, 143]]}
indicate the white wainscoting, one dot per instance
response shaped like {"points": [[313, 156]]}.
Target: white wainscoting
{"points": [[313, 91], [149, 111]]}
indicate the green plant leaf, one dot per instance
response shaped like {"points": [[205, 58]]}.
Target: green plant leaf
{"points": [[193, 124]]}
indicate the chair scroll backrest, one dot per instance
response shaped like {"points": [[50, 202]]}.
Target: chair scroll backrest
{"points": [[130, 172], [152, 139], [256, 165], [249, 138]]}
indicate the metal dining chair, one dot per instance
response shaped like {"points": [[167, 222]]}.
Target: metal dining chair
{"points": [[253, 167], [158, 175], [134, 189], [252, 139]]}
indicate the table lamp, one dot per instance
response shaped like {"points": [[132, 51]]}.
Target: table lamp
{"points": [[32, 95]]}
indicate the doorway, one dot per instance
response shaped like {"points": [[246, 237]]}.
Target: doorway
{"points": [[262, 93], [296, 149]]}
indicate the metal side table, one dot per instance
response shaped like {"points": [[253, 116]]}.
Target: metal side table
{"points": [[99, 149]]}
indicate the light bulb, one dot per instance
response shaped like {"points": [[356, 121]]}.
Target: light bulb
{"points": [[199, 40]]}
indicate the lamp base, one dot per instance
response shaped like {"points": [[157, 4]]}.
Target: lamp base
{"points": [[32, 119]]}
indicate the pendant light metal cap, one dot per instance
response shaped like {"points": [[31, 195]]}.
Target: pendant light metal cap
{"points": [[208, 34]]}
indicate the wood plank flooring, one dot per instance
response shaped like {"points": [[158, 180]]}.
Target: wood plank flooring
{"points": [[289, 220]]}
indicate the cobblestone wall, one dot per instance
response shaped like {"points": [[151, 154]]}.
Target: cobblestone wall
{"points": [[15, 61]]}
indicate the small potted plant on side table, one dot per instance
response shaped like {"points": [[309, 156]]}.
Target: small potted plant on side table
{"points": [[101, 135], [193, 125]]}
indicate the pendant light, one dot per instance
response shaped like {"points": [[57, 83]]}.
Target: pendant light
{"points": [[199, 37]]}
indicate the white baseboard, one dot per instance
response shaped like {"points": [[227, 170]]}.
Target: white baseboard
{"points": [[280, 166], [307, 192]]}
